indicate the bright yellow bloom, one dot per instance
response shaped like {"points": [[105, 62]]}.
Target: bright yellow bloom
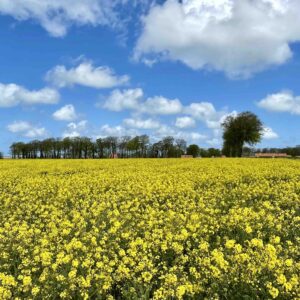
{"points": [[168, 229], [27, 281], [180, 291], [230, 244], [274, 292], [35, 290], [147, 276]]}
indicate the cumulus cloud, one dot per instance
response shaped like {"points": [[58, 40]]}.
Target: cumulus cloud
{"points": [[19, 126], [56, 16], [13, 94], [281, 102], [133, 99], [26, 129], [190, 137], [187, 116], [75, 129], [166, 130], [141, 124], [66, 113], [85, 74], [185, 122], [161, 106], [157, 131], [194, 136], [35, 132], [118, 131], [127, 99], [221, 35], [269, 134], [201, 110], [207, 114]]}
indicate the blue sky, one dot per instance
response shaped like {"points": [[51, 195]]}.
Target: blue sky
{"points": [[101, 68]]}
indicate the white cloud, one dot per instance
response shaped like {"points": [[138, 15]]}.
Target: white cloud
{"points": [[36, 132], [161, 106], [206, 113], [281, 102], [132, 127], [269, 134], [85, 74], [13, 94], [163, 131], [56, 16], [66, 113], [222, 35], [133, 99], [26, 129], [156, 133], [190, 137], [126, 99], [201, 111], [75, 129], [185, 122], [166, 130], [118, 131], [141, 124], [19, 126], [195, 136]]}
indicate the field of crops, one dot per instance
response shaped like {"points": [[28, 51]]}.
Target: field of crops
{"points": [[150, 229]]}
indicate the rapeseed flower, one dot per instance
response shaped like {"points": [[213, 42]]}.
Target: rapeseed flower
{"points": [[149, 229]]}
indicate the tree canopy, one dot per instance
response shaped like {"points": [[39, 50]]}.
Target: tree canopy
{"points": [[244, 128], [106, 147], [193, 150]]}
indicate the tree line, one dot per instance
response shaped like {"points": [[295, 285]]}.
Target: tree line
{"points": [[101, 148], [292, 151], [240, 133], [107, 147]]}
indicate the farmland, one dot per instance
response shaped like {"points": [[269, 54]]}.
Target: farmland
{"points": [[150, 229]]}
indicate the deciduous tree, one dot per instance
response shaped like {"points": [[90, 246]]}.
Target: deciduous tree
{"points": [[245, 128]]}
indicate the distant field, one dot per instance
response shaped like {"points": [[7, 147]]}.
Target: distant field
{"points": [[150, 229]]}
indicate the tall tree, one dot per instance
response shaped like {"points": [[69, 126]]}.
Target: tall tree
{"points": [[168, 146], [144, 143], [245, 128], [112, 143], [213, 152], [66, 144], [180, 147], [123, 146], [157, 149], [193, 150]]}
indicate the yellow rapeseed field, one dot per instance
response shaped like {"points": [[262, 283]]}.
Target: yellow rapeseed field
{"points": [[150, 229]]}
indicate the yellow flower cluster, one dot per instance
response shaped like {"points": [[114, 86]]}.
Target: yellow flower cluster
{"points": [[150, 229]]}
